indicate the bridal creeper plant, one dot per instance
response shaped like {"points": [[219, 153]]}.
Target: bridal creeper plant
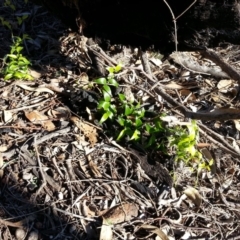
{"points": [[130, 116], [16, 66]]}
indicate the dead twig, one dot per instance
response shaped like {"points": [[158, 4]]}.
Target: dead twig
{"points": [[41, 170]]}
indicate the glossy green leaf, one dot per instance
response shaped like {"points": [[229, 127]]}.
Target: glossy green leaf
{"points": [[19, 49], [135, 135], [28, 77], [13, 68], [24, 60], [107, 89], [121, 121], [19, 75], [106, 106], [128, 110], [106, 96], [105, 116], [121, 97], [121, 134], [101, 81], [113, 82], [118, 68], [8, 76], [13, 56], [138, 122], [110, 69]]}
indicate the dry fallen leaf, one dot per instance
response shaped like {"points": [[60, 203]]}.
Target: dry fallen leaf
{"points": [[187, 93], [34, 89], [224, 85], [194, 196], [34, 73], [7, 115], [93, 167], [121, 213], [106, 231], [89, 131], [38, 118], [161, 235], [1, 165]]}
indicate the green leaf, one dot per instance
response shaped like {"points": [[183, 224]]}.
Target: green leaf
{"points": [[13, 56], [138, 122], [121, 121], [25, 17], [25, 36], [118, 68], [101, 81], [19, 75], [148, 128], [113, 82], [107, 89], [106, 96], [128, 110], [28, 77], [121, 134], [151, 141], [105, 116], [106, 106], [19, 49], [113, 109], [8, 76], [110, 69], [121, 97], [135, 135], [19, 20], [24, 60]]}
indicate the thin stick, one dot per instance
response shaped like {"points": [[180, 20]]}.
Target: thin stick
{"points": [[176, 18], [40, 168]]}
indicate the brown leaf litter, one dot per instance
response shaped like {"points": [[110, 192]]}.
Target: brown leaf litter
{"points": [[61, 177]]}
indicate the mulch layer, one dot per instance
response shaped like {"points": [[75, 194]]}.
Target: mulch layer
{"points": [[63, 176]]}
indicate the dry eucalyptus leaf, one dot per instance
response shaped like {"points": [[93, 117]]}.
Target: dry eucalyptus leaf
{"points": [[35, 74], [83, 79], [1, 160], [20, 233], [128, 94], [60, 113], [187, 93], [93, 167], [194, 196], [121, 213], [35, 117], [7, 115], [237, 124], [160, 234], [35, 89], [39, 118], [153, 229], [87, 211], [188, 61], [173, 85], [48, 125], [89, 131], [3, 148], [106, 231], [224, 85]]}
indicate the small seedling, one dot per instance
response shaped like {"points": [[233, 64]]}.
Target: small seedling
{"points": [[16, 65], [105, 105], [153, 134]]}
